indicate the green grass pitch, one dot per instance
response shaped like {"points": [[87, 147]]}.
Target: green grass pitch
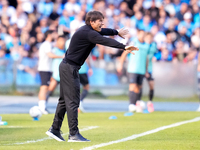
{"points": [[21, 129]]}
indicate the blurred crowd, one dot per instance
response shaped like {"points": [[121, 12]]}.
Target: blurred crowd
{"points": [[174, 24]]}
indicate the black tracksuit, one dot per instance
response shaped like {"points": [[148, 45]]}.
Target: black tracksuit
{"points": [[82, 42]]}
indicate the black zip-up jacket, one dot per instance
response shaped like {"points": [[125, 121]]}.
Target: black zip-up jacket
{"points": [[84, 40]]}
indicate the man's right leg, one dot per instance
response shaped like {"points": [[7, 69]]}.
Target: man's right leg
{"points": [[54, 130]]}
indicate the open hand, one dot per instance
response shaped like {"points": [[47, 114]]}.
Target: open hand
{"points": [[122, 32], [129, 49]]}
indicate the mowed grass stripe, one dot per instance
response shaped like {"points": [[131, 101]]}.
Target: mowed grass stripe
{"points": [[142, 134]]}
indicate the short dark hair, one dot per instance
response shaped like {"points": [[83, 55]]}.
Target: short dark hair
{"points": [[47, 33], [93, 16]]}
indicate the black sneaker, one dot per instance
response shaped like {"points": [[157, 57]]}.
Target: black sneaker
{"points": [[77, 138], [55, 134]]}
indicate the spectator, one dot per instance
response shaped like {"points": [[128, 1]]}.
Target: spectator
{"points": [[43, 25], [146, 24], [77, 23], [39, 40], [64, 21], [72, 7], [195, 39], [164, 55], [136, 20], [161, 24], [111, 10], [183, 9], [187, 22], [153, 11], [177, 5], [116, 22], [168, 6], [6, 9], [196, 13], [124, 8], [45, 8], [182, 49], [19, 18], [169, 43], [5, 20], [182, 35], [27, 5], [159, 36], [122, 19], [99, 5], [59, 6], [87, 4], [171, 29], [54, 16], [137, 7]]}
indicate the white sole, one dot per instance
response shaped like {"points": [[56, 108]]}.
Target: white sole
{"points": [[53, 136], [77, 141]]}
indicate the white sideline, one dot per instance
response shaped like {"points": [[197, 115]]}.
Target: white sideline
{"points": [[13, 126], [142, 134], [47, 138]]}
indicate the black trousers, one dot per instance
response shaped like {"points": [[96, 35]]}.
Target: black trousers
{"points": [[69, 97]]}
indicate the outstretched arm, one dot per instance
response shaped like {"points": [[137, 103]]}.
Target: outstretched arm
{"points": [[96, 38], [121, 32]]}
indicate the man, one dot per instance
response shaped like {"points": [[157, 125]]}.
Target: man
{"points": [[137, 69], [44, 68], [81, 44], [150, 79], [55, 79]]}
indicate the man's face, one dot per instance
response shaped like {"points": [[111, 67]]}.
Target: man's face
{"points": [[97, 25]]}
